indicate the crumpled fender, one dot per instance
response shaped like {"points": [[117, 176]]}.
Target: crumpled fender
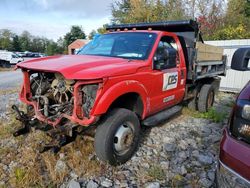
{"points": [[104, 101]]}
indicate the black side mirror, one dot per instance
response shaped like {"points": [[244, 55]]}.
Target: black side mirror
{"points": [[240, 60], [165, 58]]}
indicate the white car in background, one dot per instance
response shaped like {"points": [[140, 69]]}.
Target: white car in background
{"points": [[8, 58]]}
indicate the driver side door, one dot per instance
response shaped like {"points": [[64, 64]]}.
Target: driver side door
{"points": [[168, 76]]}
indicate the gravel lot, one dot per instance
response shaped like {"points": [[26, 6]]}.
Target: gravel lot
{"points": [[182, 152]]}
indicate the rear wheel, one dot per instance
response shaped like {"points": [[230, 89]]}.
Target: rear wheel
{"points": [[117, 137], [206, 97]]}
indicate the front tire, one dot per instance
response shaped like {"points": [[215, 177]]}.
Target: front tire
{"points": [[117, 137]]}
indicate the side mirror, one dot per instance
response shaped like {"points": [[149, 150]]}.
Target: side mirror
{"points": [[165, 58], [240, 60]]}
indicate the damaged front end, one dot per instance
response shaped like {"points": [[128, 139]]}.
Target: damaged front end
{"points": [[58, 104]]}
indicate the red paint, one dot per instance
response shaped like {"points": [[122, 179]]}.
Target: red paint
{"points": [[117, 77], [245, 93], [235, 155]]}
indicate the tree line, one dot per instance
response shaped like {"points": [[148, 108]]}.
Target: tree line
{"points": [[220, 19], [27, 42]]}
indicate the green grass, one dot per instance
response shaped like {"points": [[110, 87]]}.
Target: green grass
{"points": [[212, 114], [156, 172]]}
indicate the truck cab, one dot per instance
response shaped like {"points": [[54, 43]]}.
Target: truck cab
{"points": [[134, 75]]}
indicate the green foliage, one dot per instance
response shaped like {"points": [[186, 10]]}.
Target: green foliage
{"points": [[5, 39], [156, 172], [91, 34], [27, 42], [132, 11], [102, 29], [16, 44], [19, 174], [76, 32], [212, 114], [216, 22], [232, 32]]}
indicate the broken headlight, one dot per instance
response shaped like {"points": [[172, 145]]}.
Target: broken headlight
{"points": [[88, 95]]}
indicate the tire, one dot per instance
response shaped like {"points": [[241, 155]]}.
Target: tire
{"points": [[119, 126], [206, 97]]}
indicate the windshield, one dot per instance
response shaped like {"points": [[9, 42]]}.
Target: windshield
{"points": [[124, 45]]}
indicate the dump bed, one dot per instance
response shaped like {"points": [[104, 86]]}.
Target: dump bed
{"points": [[202, 60]]}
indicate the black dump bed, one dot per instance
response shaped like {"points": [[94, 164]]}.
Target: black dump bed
{"points": [[199, 63]]}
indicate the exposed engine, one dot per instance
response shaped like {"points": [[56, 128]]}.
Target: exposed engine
{"points": [[53, 93]]}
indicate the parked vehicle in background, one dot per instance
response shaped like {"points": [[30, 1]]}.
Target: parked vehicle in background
{"points": [[137, 74], [7, 58], [234, 159], [30, 54]]}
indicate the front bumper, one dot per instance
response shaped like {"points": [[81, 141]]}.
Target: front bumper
{"points": [[227, 178], [233, 167]]}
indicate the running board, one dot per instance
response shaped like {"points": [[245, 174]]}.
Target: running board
{"points": [[161, 116]]}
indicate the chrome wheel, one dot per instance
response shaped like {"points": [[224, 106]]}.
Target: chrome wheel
{"points": [[123, 138]]}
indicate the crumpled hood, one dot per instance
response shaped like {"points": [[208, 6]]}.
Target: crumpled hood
{"points": [[83, 66]]}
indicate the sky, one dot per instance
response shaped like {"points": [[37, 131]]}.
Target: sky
{"points": [[53, 18]]}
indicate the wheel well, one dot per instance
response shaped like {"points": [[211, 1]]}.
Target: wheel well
{"points": [[130, 101]]}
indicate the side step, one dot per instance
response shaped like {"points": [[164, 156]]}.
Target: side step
{"points": [[161, 116]]}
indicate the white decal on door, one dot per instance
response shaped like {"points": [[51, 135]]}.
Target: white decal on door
{"points": [[170, 81]]}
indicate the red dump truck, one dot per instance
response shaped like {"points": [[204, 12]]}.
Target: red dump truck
{"points": [[134, 75]]}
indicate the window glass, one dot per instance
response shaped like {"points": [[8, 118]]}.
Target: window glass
{"points": [[167, 53], [129, 45]]}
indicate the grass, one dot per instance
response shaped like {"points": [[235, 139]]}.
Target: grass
{"points": [[6, 69], [211, 114], [156, 172], [9, 91], [38, 170]]}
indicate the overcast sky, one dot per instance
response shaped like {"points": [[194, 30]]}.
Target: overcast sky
{"points": [[53, 18]]}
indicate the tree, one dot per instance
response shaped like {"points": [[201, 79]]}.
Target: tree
{"points": [[236, 21], [102, 30], [76, 32], [25, 41], [16, 44], [92, 34], [6, 39], [134, 11]]}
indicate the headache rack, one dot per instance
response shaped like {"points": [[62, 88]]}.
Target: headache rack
{"points": [[202, 60]]}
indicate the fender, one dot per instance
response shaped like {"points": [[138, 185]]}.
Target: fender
{"points": [[104, 101]]}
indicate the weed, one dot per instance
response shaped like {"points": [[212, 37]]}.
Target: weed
{"points": [[6, 69], [9, 91], [211, 114], [156, 172], [176, 180], [19, 174]]}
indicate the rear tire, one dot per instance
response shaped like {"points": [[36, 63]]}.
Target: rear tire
{"points": [[206, 97], [117, 137]]}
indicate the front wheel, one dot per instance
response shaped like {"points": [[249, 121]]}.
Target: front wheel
{"points": [[117, 137]]}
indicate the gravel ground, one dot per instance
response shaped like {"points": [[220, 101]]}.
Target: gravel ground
{"points": [[182, 152]]}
